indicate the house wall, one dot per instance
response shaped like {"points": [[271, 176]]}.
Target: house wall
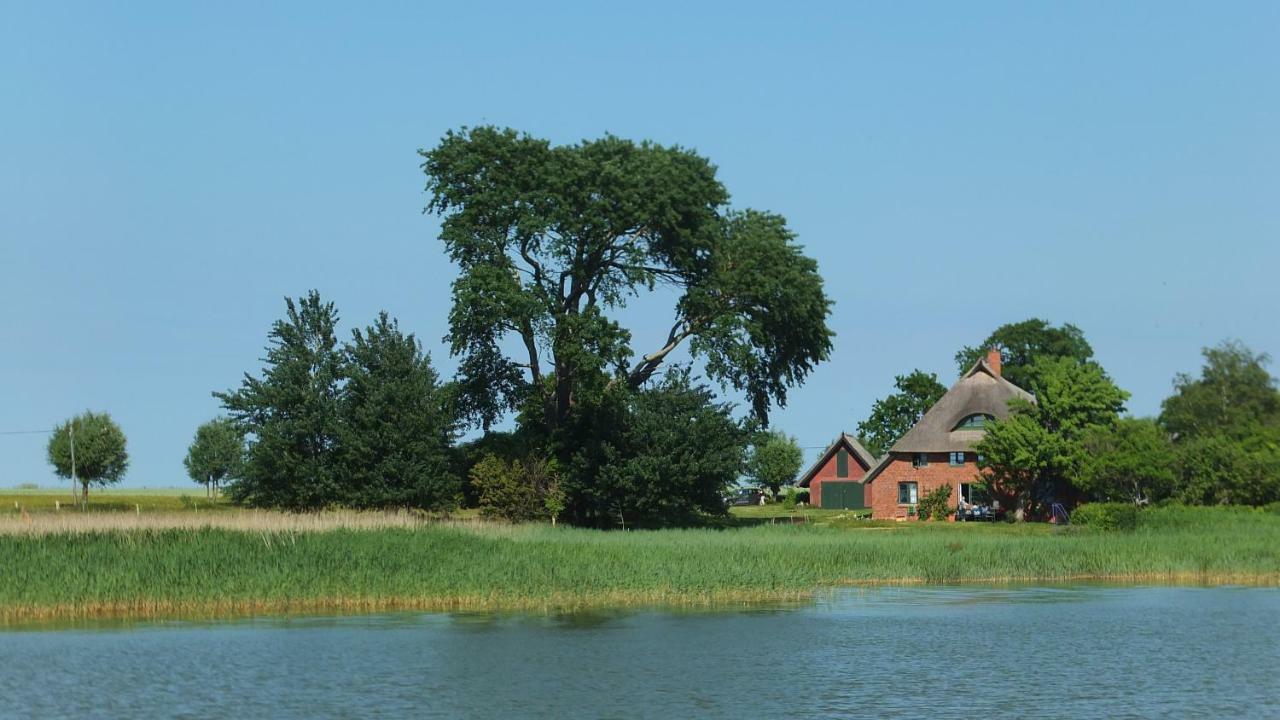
{"points": [[828, 472], [883, 490]]}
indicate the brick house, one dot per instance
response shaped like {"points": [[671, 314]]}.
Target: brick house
{"points": [[938, 450], [841, 468]]}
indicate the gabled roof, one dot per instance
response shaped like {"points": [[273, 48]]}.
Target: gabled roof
{"points": [[981, 391], [846, 441]]}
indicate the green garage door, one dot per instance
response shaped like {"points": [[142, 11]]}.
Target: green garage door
{"points": [[843, 495]]}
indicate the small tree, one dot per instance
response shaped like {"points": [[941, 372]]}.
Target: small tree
{"points": [[774, 461], [935, 505], [89, 448], [1036, 453], [518, 491], [216, 454]]}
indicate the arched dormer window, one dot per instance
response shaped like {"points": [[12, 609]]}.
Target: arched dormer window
{"points": [[977, 421]]}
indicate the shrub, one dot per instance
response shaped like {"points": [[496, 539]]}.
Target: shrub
{"points": [[518, 491], [1106, 516], [935, 505]]}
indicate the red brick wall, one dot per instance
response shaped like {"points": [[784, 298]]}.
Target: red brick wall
{"points": [[883, 490], [828, 472]]}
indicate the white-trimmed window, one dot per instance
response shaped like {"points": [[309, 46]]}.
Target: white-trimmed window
{"points": [[956, 459], [920, 460], [908, 493]]}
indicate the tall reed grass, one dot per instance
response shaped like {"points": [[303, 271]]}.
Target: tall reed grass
{"points": [[218, 570]]}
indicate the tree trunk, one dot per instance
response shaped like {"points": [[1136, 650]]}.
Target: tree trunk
{"points": [[84, 493]]}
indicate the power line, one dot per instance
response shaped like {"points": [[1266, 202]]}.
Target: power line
{"points": [[25, 432]]}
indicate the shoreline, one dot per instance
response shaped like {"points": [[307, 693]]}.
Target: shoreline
{"points": [[20, 617]]}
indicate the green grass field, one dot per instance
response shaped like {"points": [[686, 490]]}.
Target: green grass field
{"points": [[104, 500], [211, 571]]}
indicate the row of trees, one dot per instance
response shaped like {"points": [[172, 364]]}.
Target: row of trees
{"points": [[366, 423], [1216, 440]]}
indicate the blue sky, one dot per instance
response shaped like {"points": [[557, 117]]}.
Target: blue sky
{"points": [[170, 173]]}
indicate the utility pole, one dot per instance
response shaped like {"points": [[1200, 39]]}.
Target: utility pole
{"points": [[73, 459]]}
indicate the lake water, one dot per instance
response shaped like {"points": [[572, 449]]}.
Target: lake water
{"points": [[959, 652]]}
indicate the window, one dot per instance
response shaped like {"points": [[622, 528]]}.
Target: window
{"points": [[974, 422], [957, 459], [974, 494], [906, 493], [842, 463], [920, 460]]}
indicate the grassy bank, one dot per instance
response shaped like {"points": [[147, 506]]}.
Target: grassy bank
{"points": [[219, 571]]}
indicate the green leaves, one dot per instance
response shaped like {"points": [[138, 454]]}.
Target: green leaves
{"points": [[1233, 394], [1036, 453], [550, 239], [1130, 461], [216, 453], [893, 416], [397, 424], [774, 461], [100, 453], [663, 455], [291, 414], [1022, 343], [365, 425], [1226, 429]]}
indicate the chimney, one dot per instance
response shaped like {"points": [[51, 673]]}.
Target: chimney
{"points": [[993, 360]]}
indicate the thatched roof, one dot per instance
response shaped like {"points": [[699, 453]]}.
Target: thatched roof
{"points": [[981, 391], [846, 441]]}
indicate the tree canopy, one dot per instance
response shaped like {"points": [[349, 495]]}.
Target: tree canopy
{"points": [[291, 413], [397, 424], [549, 240], [366, 424], [774, 460], [1225, 427], [1233, 394], [99, 456], [894, 415], [216, 454], [1128, 461], [663, 455], [1035, 455], [1022, 343]]}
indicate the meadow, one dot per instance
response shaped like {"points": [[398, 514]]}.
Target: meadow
{"points": [[196, 564]]}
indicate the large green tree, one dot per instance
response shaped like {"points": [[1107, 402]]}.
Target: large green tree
{"points": [[1022, 343], [551, 240], [216, 454], [292, 413], [774, 460], [1127, 461], [1034, 455], [894, 415], [1219, 469], [398, 425], [90, 449], [1225, 427], [662, 455]]}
